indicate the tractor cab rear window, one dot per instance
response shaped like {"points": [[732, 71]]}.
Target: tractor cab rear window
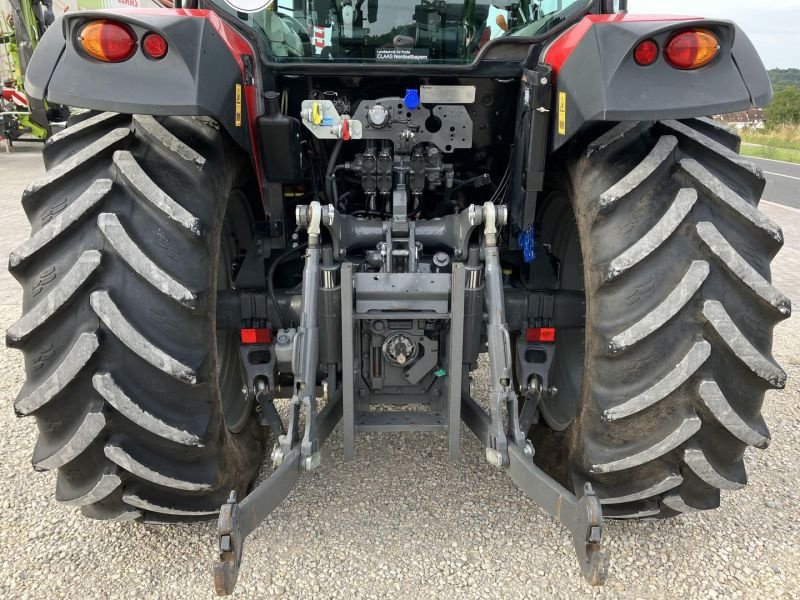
{"points": [[397, 31]]}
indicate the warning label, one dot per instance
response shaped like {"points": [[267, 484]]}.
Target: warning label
{"points": [[562, 113], [238, 99], [402, 54]]}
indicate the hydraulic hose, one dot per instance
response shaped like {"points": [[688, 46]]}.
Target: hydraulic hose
{"points": [[330, 183], [271, 281]]}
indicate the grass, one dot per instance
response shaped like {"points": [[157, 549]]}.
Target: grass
{"points": [[779, 143], [772, 153]]}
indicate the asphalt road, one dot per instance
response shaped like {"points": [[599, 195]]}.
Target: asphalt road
{"points": [[402, 522], [783, 181]]}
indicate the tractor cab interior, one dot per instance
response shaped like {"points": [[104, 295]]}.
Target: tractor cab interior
{"points": [[396, 31]]}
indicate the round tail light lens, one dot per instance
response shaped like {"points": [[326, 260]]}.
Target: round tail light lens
{"points": [[646, 53], [692, 49], [107, 41], [154, 46]]}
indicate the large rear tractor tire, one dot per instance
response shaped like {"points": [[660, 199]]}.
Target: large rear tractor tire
{"points": [[127, 377], [679, 316]]}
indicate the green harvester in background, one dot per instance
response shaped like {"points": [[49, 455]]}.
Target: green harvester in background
{"points": [[20, 33]]}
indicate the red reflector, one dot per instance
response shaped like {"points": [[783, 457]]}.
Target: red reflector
{"points": [[154, 46], [261, 335], [646, 53], [108, 41], [540, 334], [692, 49]]}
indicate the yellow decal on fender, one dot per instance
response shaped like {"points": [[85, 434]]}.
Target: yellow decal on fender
{"points": [[562, 113], [238, 105]]}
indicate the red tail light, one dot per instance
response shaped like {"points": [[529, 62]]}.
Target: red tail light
{"points": [[692, 49], [154, 46], [258, 335], [646, 53], [108, 41], [540, 334]]}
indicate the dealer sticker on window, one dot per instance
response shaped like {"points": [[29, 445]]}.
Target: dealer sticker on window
{"points": [[402, 54]]}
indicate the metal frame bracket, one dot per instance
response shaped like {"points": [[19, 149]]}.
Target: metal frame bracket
{"points": [[238, 519], [582, 515]]}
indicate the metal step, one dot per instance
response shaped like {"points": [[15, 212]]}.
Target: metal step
{"points": [[401, 420]]}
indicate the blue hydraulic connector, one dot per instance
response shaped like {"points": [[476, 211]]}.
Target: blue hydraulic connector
{"points": [[412, 99], [527, 242]]}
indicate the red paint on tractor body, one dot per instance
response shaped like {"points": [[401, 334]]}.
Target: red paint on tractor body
{"points": [[238, 47], [562, 48]]}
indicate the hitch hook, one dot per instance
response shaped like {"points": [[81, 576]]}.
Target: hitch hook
{"points": [[226, 569], [586, 529]]}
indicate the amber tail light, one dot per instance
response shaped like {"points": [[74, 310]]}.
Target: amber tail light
{"points": [[692, 49], [107, 41]]}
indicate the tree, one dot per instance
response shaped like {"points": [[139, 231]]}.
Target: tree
{"points": [[785, 107], [783, 78]]}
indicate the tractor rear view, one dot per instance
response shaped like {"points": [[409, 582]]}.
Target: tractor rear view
{"points": [[338, 207]]}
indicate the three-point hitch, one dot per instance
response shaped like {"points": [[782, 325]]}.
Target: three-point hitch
{"points": [[499, 430]]}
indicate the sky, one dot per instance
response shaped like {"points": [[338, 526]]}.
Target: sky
{"points": [[773, 25]]}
